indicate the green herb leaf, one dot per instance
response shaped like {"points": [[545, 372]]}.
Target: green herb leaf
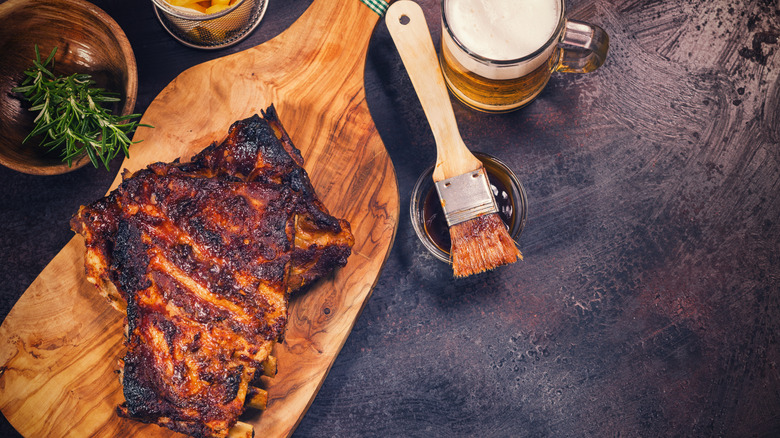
{"points": [[70, 114]]}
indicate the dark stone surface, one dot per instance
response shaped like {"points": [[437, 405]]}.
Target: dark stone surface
{"points": [[648, 303]]}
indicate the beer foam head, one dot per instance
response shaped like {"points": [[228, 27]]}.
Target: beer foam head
{"points": [[502, 29]]}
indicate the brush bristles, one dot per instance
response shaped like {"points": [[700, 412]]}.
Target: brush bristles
{"points": [[481, 244]]}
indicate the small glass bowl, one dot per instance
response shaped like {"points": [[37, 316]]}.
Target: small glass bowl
{"points": [[427, 217]]}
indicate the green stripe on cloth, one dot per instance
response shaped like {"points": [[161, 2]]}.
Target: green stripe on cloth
{"points": [[378, 6]]}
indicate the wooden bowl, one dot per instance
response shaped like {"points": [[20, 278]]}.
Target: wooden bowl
{"points": [[87, 41]]}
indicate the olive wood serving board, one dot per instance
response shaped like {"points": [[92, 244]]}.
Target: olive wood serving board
{"points": [[60, 343]]}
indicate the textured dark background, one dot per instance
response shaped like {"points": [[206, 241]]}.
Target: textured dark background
{"points": [[647, 304]]}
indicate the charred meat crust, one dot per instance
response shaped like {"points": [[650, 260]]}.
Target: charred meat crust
{"points": [[203, 255]]}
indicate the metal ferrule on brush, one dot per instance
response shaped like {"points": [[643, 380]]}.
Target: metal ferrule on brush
{"points": [[465, 197]]}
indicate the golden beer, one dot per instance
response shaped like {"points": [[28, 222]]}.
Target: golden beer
{"points": [[494, 95], [498, 55]]}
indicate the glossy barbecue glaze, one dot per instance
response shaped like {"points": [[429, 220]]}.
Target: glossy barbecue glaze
{"points": [[203, 255]]}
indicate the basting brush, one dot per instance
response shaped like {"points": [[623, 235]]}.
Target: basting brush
{"points": [[480, 240]]}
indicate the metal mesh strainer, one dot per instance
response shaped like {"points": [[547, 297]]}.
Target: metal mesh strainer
{"points": [[212, 31]]}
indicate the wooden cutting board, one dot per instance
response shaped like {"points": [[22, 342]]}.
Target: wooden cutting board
{"points": [[60, 343]]}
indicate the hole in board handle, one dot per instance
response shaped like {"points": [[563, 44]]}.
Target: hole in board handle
{"points": [[404, 19]]}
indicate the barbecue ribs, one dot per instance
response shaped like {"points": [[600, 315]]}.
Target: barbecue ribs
{"points": [[203, 256]]}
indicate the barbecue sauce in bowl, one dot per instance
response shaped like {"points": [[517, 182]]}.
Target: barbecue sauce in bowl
{"points": [[428, 217]]}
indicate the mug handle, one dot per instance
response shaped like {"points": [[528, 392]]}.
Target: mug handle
{"points": [[583, 47]]}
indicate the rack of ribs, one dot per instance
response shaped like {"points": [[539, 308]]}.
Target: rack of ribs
{"points": [[203, 256]]}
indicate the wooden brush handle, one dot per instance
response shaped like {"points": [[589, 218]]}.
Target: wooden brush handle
{"points": [[406, 23]]}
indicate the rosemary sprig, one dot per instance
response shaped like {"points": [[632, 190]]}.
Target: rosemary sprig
{"points": [[71, 115]]}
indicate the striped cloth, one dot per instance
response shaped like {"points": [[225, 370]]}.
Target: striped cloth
{"points": [[378, 6]]}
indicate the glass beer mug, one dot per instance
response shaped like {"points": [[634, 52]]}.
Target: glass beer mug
{"points": [[497, 55]]}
